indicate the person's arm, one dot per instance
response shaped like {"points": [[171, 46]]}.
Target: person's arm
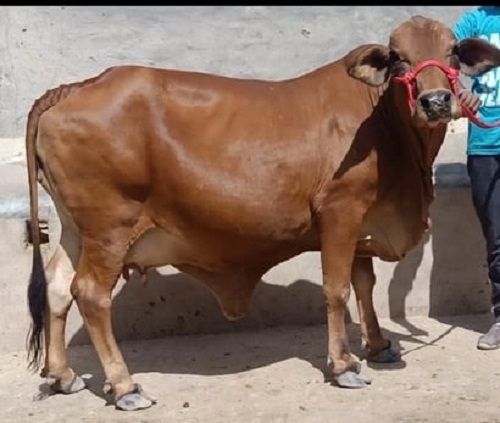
{"points": [[466, 27]]}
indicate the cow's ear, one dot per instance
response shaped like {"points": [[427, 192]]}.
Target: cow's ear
{"points": [[476, 56], [371, 63]]}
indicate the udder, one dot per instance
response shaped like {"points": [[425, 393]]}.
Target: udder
{"points": [[156, 247]]}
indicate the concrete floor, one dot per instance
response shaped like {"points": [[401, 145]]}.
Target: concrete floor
{"points": [[276, 375]]}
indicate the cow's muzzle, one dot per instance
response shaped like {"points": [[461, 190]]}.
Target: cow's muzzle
{"points": [[436, 104], [439, 105]]}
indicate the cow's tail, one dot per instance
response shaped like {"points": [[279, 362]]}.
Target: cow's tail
{"points": [[37, 288]]}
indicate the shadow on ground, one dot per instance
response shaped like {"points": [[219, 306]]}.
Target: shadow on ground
{"points": [[240, 352], [458, 278]]}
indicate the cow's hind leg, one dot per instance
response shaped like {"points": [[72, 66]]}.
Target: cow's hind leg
{"points": [[378, 349], [98, 269], [60, 272]]}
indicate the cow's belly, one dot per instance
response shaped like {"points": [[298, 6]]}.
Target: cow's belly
{"points": [[212, 253]]}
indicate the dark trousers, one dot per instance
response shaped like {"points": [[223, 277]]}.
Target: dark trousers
{"points": [[484, 173]]}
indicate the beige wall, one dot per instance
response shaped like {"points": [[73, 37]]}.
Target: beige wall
{"points": [[444, 275]]}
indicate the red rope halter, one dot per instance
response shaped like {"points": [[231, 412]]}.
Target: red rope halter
{"points": [[409, 79]]}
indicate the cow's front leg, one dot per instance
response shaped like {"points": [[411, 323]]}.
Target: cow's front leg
{"points": [[378, 349], [340, 225]]}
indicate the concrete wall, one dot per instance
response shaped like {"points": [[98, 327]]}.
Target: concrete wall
{"points": [[44, 46], [41, 47]]}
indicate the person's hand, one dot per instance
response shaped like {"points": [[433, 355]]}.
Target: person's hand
{"points": [[470, 100]]}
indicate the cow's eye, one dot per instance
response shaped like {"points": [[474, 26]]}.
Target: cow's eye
{"points": [[401, 67], [393, 57], [396, 64], [454, 60]]}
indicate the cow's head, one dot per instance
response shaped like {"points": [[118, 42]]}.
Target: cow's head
{"points": [[411, 44]]}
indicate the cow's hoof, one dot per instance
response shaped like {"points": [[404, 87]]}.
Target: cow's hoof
{"points": [[352, 380], [135, 400], [387, 355], [76, 385], [131, 402]]}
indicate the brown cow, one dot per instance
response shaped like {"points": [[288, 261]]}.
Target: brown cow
{"points": [[224, 178]]}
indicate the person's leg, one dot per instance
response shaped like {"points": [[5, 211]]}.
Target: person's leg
{"points": [[484, 172]]}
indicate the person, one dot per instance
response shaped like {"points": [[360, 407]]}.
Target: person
{"points": [[483, 153]]}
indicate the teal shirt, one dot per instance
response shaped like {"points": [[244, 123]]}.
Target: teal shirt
{"points": [[483, 22]]}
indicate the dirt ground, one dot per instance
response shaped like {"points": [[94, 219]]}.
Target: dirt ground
{"points": [[276, 375]]}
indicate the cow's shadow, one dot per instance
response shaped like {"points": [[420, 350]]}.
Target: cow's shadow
{"points": [[458, 282], [165, 295]]}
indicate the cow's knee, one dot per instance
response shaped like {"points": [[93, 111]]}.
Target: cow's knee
{"points": [[59, 297], [336, 296], [92, 299], [60, 273]]}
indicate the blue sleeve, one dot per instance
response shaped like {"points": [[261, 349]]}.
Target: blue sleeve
{"points": [[466, 27]]}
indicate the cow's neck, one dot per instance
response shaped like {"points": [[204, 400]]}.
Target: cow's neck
{"points": [[423, 142]]}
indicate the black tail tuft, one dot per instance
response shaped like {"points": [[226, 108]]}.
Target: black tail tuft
{"points": [[37, 300]]}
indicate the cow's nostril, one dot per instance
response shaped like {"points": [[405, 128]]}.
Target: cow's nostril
{"points": [[425, 103], [447, 97]]}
